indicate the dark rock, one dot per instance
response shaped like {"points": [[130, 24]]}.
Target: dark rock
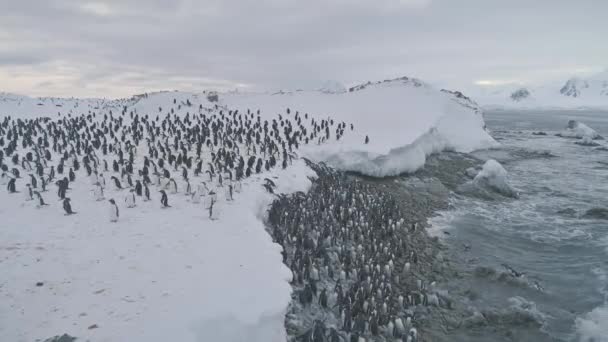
{"points": [[62, 338]]}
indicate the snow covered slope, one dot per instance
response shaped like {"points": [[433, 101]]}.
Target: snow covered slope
{"points": [[405, 120], [175, 274], [574, 93]]}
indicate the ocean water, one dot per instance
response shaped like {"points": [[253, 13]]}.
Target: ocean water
{"points": [[563, 256]]}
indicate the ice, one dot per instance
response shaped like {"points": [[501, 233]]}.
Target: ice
{"points": [[579, 130], [494, 176]]}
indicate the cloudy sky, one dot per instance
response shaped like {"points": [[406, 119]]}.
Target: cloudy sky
{"points": [[116, 48]]}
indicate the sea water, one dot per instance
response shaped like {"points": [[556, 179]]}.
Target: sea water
{"points": [[560, 256]]}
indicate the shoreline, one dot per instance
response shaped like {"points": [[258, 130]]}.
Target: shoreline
{"points": [[390, 278]]}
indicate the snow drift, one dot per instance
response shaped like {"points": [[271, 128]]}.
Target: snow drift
{"points": [[405, 120]]}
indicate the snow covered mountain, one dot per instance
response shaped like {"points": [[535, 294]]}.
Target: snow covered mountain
{"points": [[180, 274], [574, 93]]}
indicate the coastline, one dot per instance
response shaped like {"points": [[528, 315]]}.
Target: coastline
{"points": [[396, 297]]}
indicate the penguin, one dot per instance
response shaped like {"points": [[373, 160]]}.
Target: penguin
{"points": [[33, 181], [130, 199], [146, 193], [98, 192], [138, 188], [11, 187], [229, 192], [41, 202], [114, 212], [29, 194], [4, 178], [164, 200], [117, 183], [172, 186], [67, 207]]}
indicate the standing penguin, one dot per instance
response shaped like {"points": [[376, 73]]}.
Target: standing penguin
{"points": [[130, 199], [172, 186], [40, 200], [188, 187], [138, 187], [117, 183], [146, 192], [229, 192], [98, 192], [29, 194], [114, 213], [33, 181], [164, 200], [11, 186], [211, 207], [72, 175], [67, 206]]}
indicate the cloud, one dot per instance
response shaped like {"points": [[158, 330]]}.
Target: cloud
{"points": [[119, 47], [96, 8]]}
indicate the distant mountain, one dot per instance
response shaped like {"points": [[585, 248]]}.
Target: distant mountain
{"points": [[574, 93]]}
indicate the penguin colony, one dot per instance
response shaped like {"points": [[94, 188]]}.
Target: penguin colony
{"points": [[354, 263], [206, 152]]}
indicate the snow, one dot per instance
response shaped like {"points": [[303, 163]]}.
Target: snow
{"points": [[174, 274], [579, 130], [405, 123], [332, 87], [494, 176], [572, 94]]}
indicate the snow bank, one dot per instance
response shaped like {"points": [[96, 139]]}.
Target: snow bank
{"points": [[593, 327], [405, 121], [332, 87], [494, 177], [175, 275], [579, 130], [156, 275]]}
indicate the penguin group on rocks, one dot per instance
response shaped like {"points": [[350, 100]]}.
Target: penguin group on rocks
{"points": [[200, 154], [354, 262]]}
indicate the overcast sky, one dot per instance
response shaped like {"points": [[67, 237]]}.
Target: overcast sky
{"points": [[116, 48]]}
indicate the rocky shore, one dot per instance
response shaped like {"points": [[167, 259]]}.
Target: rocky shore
{"points": [[364, 267]]}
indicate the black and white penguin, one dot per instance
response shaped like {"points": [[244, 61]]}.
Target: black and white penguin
{"points": [[67, 207], [130, 199], [138, 188], [114, 212], [33, 181], [29, 194], [146, 192], [40, 200], [164, 200], [98, 192], [172, 186], [117, 183], [11, 187]]}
